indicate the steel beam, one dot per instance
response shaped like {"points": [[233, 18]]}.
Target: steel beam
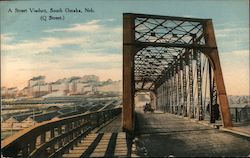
{"points": [[190, 73], [199, 84], [176, 45], [150, 55], [167, 17], [184, 84], [180, 103], [213, 55], [128, 71]]}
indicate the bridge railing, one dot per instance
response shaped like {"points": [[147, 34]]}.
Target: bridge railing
{"points": [[240, 114], [55, 137]]}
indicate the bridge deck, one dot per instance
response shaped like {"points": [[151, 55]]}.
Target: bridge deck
{"points": [[106, 141], [100, 145], [163, 134]]}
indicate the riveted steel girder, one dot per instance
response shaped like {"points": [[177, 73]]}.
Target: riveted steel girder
{"points": [[155, 50]]}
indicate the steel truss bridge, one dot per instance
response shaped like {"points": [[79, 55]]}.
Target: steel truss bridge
{"points": [[176, 60]]}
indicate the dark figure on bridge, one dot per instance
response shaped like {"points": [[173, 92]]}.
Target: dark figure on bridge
{"points": [[216, 111], [182, 110], [208, 109], [148, 107]]}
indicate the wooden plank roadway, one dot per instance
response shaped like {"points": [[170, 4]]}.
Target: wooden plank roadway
{"points": [[101, 145], [164, 134], [106, 141]]}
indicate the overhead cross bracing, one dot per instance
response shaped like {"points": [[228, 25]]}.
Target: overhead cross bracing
{"points": [[168, 40], [173, 58]]}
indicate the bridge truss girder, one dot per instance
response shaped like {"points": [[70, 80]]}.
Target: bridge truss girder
{"points": [[160, 54]]}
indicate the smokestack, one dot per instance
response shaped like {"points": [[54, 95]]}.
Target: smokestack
{"points": [[50, 88], [74, 87]]}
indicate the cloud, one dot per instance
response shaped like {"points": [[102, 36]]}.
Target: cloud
{"points": [[232, 38], [80, 51], [86, 57], [107, 37], [229, 32], [41, 45], [238, 53], [235, 66], [231, 24], [189, 16], [88, 60], [241, 53], [105, 66], [91, 26], [7, 37]]}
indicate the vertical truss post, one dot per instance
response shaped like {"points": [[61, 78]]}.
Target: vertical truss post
{"points": [[171, 92], [214, 102], [184, 80], [161, 91], [173, 95], [211, 89], [164, 96], [153, 98], [190, 73], [214, 96], [175, 90], [168, 93], [158, 96], [128, 71], [214, 57], [161, 96], [199, 81], [180, 103]]}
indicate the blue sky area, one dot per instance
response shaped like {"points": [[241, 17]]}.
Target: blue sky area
{"points": [[91, 43]]}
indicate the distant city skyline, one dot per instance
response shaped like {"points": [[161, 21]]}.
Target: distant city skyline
{"points": [[37, 86], [56, 80], [91, 43]]}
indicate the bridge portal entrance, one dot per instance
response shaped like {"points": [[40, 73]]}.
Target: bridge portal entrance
{"points": [[145, 97], [177, 59]]}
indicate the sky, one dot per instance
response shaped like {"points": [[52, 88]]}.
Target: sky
{"points": [[91, 42]]}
